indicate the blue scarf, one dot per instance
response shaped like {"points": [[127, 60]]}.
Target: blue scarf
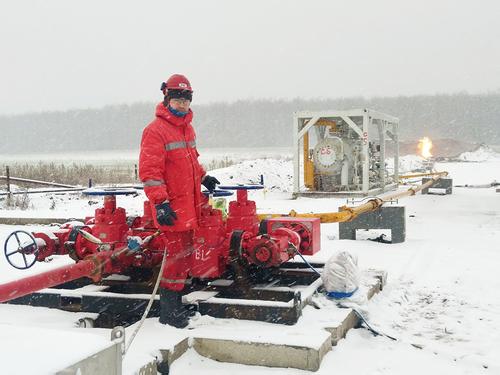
{"points": [[176, 112]]}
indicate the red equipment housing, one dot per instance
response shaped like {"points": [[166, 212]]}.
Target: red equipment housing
{"points": [[242, 214], [112, 243], [211, 245]]}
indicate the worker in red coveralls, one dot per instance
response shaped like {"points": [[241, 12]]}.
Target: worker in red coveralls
{"points": [[172, 178]]}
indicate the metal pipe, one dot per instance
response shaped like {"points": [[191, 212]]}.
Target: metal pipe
{"points": [[415, 189], [94, 266], [442, 174], [31, 284], [36, 182], [60, 190], [349, 213], [63, 190]]}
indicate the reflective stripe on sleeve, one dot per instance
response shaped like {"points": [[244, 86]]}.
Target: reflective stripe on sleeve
{"points": [[181, 144], [153, 182]]}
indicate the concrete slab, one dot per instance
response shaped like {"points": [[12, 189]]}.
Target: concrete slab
{"points": [[160, 344], [170, 355], [83, 351], [258, 353], [301, 346], [104, 362], [264, 354]]}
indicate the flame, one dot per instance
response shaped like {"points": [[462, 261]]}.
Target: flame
{"points": [[425, 147]]}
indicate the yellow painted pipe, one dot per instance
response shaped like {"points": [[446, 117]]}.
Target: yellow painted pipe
{"points": [[424, 174], [349, 213]]}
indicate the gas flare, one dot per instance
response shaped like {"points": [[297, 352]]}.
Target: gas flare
{"points": [[425, 147]]}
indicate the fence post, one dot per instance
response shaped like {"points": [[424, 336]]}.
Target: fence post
{"points": [[135, 171], [7, 173]]}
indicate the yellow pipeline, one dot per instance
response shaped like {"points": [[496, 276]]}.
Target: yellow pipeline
{"points": [[349, 213], [423, 175]]}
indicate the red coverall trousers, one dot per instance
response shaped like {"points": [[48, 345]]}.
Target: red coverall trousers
{"points": [[179, 247]]}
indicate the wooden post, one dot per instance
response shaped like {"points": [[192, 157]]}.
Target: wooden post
{"points": [[135, 171], [7, 173]]}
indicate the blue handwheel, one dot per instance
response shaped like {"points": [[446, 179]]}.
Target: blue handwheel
{"points": [[218, 193], [23, 243], [242, 187], [109, 191]]}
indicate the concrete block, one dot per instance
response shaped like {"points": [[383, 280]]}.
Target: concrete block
{"points": [[263, 354], [442, 183], [168, 356], [149, 369], [283, 347], [340, 331], [106, 362], [387, 217], [351, 320], [379, 275]]}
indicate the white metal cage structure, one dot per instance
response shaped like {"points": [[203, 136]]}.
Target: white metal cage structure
{"points": [[344, 152]]}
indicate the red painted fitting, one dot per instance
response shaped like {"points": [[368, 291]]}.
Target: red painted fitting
{"points": [[28, 285]]}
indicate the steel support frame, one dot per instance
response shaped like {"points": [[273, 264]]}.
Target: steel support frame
{"points": [[123, 302], [387, 125]]}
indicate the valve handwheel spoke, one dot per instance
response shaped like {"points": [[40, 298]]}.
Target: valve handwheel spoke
{"points": [[19, 248], [13, 252], [25, 261]]}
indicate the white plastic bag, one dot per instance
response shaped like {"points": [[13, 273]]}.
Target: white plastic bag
{"points": [[341, 275]]}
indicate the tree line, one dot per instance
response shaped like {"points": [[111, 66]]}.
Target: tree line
{"points": [[248, 123]]}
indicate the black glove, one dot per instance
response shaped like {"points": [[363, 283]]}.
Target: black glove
{"points": [[164, 214], [209, 182]]}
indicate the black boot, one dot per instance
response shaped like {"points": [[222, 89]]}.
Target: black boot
{"points": [[172, 312]]}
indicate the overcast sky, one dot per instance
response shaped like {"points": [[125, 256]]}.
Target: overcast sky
{"points": [[64, 54]]}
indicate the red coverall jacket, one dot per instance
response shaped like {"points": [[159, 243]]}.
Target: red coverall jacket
{"points": [[169, 167]]}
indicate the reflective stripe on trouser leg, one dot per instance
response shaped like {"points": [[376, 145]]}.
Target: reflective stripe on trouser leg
{"points": [[173, 281]]}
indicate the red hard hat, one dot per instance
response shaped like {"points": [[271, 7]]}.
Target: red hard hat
{"points": [[176, 82]]}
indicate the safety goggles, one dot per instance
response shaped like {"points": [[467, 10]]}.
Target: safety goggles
{"points": [[180, 100], [180, 94]]}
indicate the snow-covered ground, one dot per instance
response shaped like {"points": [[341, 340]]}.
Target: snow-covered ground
{"points": [[442, 293], [483, 153]]}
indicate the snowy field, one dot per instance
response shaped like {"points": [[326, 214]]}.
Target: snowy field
{"points": [[129, 157], [442, 300]]}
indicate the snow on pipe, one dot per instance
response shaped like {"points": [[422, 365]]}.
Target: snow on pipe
{"points": [[38, 182], [350, 213], [20, 288], [94, 267], [422, 175]]}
